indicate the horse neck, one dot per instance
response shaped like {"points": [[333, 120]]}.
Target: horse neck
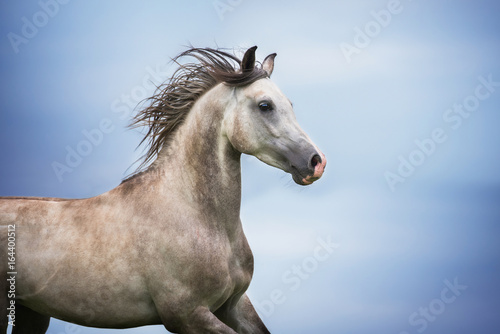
{"points": [[201, 163]]}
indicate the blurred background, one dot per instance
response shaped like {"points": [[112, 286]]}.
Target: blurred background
{"points": [[401, 235]]}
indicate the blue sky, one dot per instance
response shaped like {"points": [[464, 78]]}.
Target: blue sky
{"points": [[388, 108]]}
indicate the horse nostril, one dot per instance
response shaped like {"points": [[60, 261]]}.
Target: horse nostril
{"points": [[316, 159]]}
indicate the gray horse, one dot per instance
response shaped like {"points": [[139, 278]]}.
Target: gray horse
{"points": [[166, 246]]}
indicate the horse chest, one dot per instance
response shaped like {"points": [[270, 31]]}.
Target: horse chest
{"points": [[228, 262], [229, 277], [211, 266]]}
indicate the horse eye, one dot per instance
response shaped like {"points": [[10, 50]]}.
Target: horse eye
{"points": [[265, 106]]}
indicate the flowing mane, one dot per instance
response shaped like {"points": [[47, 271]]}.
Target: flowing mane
{"points": [[173, 99]]}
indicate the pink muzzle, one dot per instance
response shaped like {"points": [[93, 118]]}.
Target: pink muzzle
{"points": [[319, 164]]}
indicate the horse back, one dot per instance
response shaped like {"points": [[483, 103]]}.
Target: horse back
{"points": [[20, 211]]}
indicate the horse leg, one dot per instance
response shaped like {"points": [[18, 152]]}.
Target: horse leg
{"points": [[242, 317], [199, 321], [29, 321]]}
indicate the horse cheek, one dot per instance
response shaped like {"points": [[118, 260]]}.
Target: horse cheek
{"points": [[242, 137]]}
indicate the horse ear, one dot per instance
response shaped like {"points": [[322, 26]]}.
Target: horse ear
{"points": [[268, 64], [248, 62]]}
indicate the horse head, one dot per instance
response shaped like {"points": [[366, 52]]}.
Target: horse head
{"points": [[262, 123]]}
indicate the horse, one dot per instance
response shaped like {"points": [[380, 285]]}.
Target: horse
{"points": [[166, 246]]}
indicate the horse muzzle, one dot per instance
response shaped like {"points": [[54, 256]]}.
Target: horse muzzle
{"points": [[318, 164], [313, 172]]}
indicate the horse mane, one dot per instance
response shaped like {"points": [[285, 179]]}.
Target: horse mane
{"points": [[175, 98]]}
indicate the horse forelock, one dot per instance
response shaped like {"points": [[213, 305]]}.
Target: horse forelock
{"points": [[174, 99]]}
